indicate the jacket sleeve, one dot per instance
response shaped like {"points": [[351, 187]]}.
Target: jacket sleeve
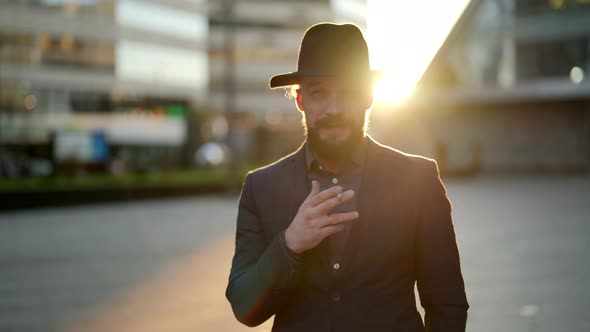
{"points": [[262, 272], [438, 272]]}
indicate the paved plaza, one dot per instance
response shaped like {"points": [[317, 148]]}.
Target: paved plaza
{"points": [[162, 265]]}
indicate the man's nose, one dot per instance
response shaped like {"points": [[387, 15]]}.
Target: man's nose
{"points": [[334, 106]]}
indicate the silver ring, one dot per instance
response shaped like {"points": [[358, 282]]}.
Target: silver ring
{"points": [[330, 219]]}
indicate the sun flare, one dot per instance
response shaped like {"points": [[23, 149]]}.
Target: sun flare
{"points": [[403, 37], [393, 88]]}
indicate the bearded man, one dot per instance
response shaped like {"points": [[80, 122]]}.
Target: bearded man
{"points": [[335, 236]]}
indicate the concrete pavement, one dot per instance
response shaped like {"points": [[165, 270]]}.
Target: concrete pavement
{"points": [[162, 265]]}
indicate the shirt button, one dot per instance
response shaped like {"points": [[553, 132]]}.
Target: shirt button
{"points": [[336, 266], [335, 297], [335, 181]]}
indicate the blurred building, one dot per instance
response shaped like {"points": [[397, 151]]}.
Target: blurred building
{"points": [[93, 81], [265, 37], [114, 83], [509, 90]]}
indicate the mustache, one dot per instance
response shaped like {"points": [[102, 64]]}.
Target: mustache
{"points": [[332, 121]]}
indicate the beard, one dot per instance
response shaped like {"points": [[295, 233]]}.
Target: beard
{"points": [[332, 150]]}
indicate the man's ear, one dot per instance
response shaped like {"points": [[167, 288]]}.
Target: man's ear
{"points": [[298, 101]]}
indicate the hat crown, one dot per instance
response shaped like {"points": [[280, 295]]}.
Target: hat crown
{"points": [[333, 49]]}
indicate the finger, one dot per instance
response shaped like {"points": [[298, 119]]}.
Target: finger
{"points": [[335, 218], [339, 218], [315, 188], [324, 195], [330, 230], [326, 206]]}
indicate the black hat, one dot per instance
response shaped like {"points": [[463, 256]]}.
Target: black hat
{"points": [[329, 49]]}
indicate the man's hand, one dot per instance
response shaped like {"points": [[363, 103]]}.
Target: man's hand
{"points": [[314, 222]]}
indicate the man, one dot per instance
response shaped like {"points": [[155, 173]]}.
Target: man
{"points": [[334, 236]]}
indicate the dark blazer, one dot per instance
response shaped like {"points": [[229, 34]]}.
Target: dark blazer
{"points": [[404, 235]]}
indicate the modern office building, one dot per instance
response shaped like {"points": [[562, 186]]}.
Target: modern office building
{"points": [[509, 90], [80, 80], [266, 36], [90, 81]]}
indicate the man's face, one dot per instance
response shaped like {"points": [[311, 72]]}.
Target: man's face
{"points": [[334, 114]]}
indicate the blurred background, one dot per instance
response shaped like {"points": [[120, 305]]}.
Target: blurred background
{"points": [[126, 128]]}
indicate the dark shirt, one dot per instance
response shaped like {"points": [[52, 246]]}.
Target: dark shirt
{"points": [[348, 176]]}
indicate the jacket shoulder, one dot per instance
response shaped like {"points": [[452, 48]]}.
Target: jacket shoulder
{"points": [[275, 166], [405, 161]]}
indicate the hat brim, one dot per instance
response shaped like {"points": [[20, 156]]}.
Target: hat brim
{"points": [[294, 78]]}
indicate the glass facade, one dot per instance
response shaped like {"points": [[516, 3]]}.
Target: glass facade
{"points": [[532, 7], [552, 59], [507, 43], [477, 56], [128, 70], [509, 88], [123, 66], [89, 7], [19, 48], [161, 19]]}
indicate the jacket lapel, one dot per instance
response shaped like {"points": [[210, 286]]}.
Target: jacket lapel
{"points": [[371, 185], [298, 180]]}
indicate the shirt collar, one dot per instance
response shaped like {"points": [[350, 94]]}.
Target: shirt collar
{"points": [[357, 157]]}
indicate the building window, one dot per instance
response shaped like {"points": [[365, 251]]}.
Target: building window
{"points": [[551, 59]]}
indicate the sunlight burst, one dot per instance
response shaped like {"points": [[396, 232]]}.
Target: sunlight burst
{"points": [[393, 89], [403, 37]]}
